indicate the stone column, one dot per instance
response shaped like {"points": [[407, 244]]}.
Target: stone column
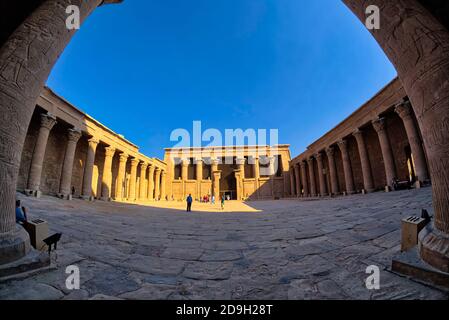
{"points": [[296, 169], [330, 152], [26, 59], [106, 181], [73, 136], [37, 160], [199, 170], [151, 182], [256, 175], [216, 185], [404, 110], [387, 154], [321, 177], [185, 169], [89, 169], [241, 166], [133, 180], [313, 192], [157, 183], [163, 177], [418, 50], [199, 176], [364, 160], [143, 192], [121, 176], [305, 185], [214, 166], [349, 179]]}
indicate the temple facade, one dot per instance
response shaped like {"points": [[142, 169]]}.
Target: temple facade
{"points": [[378, 145], [237, 172], [69, 154]]}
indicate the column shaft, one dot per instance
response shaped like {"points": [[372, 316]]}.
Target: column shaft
{"points": [[89, 168], [67, 167], [305, 185], [296, 169], [133, 180], [332, 170], [321, 177], [199, 176], [157, 184], [119, 194], [151, 182], [349, 179], [387, 154], [143, 192], [106, 181], [312, 178], [163, 182], [37, 160], [404, 110], [364, 160]]}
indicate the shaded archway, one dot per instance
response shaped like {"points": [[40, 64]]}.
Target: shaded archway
{"points": [[27, 56], [413, 38], [417, 44]]}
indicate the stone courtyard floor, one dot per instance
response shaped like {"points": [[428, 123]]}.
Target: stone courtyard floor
{"points": [[286, 249]]}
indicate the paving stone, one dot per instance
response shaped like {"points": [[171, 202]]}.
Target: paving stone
{"points": [[289, 249]]}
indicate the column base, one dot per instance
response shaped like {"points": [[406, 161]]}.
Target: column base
{"points": [[410, 264], [433, 246], [34, 261], [106, 199], [33, 193], [88, 198], [388, 189], [14, 245], [63, 196]]}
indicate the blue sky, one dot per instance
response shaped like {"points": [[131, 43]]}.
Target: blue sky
{"points": [[146, 67]]}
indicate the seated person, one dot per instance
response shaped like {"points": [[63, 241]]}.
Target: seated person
{"points": [[21, 215]]}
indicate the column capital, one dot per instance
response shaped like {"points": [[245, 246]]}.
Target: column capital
{"points": [[343, 145], [240, 161], [48, 120], [319, 156], [109, 151], [157, 170], [302, 163], [199, 160], [330, 151], [310, 160], [357, 133], [379, 124], [185, 162], [123, 157], [134, 162], [404, 109], [93, 142], [143, 164], [74, 135]]}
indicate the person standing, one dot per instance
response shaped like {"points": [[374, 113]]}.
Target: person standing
{"points": [[189, 203], [213, 199], [21, 214]]}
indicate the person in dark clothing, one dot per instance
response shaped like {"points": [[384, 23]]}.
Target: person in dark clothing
{"points": [[21, 215], [189, 203]]}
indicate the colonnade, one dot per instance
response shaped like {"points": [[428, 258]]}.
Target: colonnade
{"points": [[302, 172], [151, 179]]}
